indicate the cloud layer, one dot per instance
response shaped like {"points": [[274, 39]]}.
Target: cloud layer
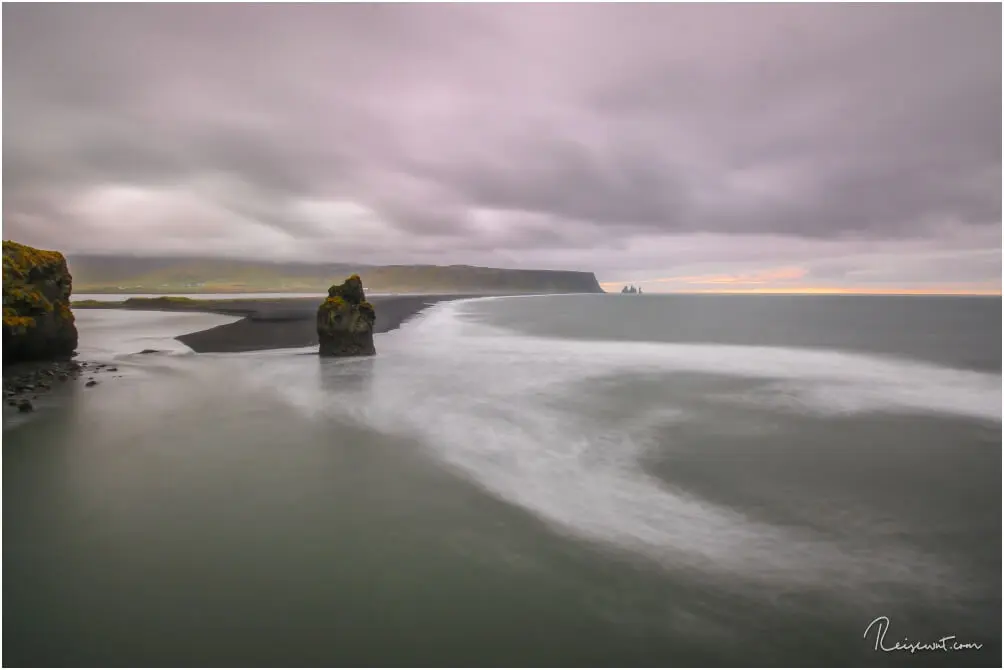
{"points": [[852, 143]]}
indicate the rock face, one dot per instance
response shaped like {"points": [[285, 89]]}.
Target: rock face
{"points": [[345, 321], [37, 321]]}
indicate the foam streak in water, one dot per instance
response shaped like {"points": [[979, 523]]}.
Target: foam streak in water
{"points": [[513, 413]]}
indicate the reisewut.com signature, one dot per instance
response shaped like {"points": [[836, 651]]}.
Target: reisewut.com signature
{"points": [[880, 626]]}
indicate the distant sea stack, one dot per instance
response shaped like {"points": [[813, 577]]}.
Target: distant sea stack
{"points": [[37, 321], [345, 321]]}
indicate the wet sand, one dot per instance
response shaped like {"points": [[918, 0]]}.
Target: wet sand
{"points": [[280, 323]]}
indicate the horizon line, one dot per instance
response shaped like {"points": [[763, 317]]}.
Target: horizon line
{"points": [[826, 291]]}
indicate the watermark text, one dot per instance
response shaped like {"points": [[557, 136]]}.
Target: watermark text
{"points": [[879, 627]]}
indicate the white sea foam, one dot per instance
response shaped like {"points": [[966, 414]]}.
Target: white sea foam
{"points": [[110, 333], [524, 418], [824, 381]]}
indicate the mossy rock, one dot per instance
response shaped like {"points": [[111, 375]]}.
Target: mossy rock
{"points": [[350, 290], [37, 320], [345, 321]]}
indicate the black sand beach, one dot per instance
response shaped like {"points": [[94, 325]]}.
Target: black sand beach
{"points": [[279, 323]]}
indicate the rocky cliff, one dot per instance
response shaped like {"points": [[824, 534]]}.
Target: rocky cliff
{"points": [[37, 321], [345, 321]]}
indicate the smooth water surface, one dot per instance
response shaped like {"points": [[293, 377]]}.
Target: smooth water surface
{"points": [[561, 480]]}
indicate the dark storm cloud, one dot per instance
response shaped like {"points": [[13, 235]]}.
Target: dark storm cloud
{"points": [[438, 131]]}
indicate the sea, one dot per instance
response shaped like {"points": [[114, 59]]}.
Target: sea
{"points": [[577, 480]]}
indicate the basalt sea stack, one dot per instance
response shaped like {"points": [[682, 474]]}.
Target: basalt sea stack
{"points": [[345, 321], [37, 321]]}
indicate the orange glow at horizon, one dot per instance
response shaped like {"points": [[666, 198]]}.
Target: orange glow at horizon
{"points": [[823, 290], [787, 273], [785, 280]]}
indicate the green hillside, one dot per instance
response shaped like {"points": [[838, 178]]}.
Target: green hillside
{"points": [[117, 274]]}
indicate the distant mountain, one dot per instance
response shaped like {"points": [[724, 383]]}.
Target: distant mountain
{"points": [[125, 274]]}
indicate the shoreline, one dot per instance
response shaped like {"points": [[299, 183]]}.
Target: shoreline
{"points": [[264, 324], [281, 323], [26, 381]]}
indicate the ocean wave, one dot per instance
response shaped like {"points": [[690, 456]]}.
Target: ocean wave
{"points": [[823, 381], [531, 421]]}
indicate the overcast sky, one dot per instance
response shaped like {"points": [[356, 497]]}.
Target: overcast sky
{"points": [[688, 147]]}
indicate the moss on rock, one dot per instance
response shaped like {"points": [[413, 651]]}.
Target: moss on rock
{"points": [[345, 321], [350, 290], [37, 319]]}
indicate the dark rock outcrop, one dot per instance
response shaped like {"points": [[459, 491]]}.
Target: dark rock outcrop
{"points": [[23, 382], [345, 321], [37, 321]]}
